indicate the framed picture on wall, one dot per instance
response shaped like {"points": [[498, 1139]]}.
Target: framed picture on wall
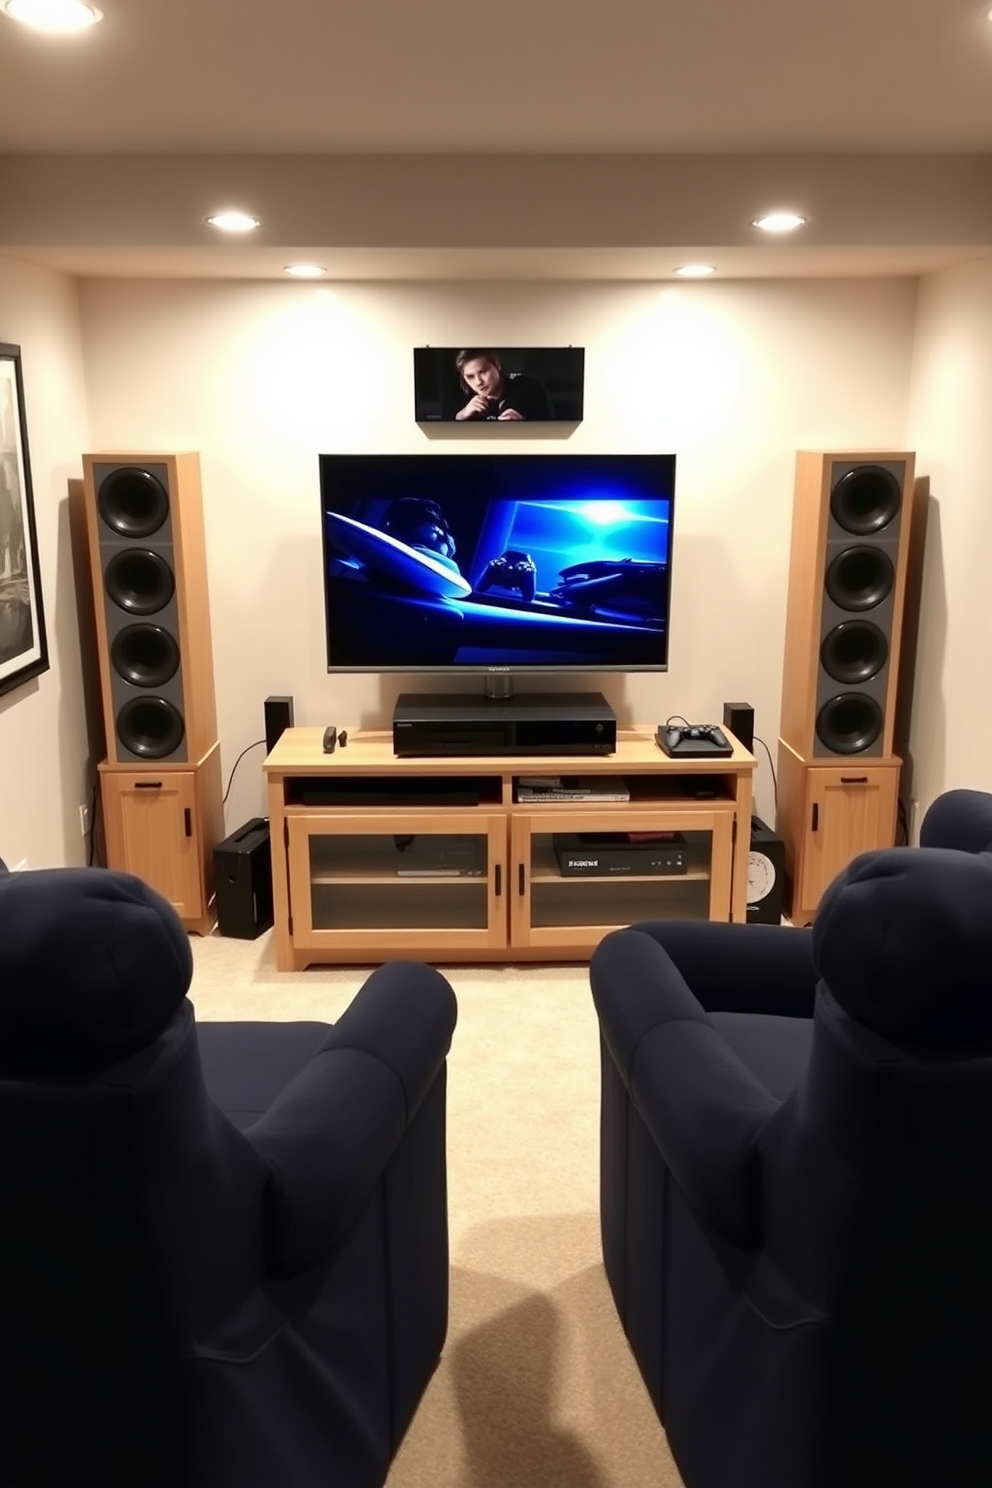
{"points": [[498, 385], [23, 644]]}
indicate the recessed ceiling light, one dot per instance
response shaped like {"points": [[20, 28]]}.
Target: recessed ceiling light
{"points": [[695, 271], [778, 222], [305, 271], [53, 15], [234, 221]]}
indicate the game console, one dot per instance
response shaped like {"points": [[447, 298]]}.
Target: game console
{"points": [[562, 723]]}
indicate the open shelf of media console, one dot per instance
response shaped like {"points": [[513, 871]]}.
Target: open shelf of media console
{"points": [[340, 824]]}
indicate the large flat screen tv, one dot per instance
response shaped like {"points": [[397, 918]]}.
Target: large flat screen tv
{"points": [[495, 563]]}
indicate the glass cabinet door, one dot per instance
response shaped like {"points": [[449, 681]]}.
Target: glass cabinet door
{"points": [[426, 882], [575, 876]]}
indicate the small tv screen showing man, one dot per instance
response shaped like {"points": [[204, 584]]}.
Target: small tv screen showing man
{"points": [[498, 385]]}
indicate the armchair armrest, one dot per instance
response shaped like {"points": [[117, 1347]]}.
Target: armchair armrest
{"points": [[330, 1134], [742, 968], [701, 1105]]}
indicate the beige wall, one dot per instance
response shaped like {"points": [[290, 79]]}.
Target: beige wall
{"points": [[259, 377], [45, 772], [951, 424], [734, 377]]}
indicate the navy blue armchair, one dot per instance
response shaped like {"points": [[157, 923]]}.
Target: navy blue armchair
{"points": [[961, 819], [223, 1247], [796, 1180]]}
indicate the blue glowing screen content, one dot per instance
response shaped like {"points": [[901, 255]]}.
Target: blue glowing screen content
{"points": [[480, 561]]}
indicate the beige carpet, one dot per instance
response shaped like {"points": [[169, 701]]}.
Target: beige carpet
{"points": [[537, 1387]]}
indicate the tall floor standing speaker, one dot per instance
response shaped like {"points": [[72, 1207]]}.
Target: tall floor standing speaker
{"points": [[838, 774], [160, 781]]}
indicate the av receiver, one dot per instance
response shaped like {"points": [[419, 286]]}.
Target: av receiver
{"points": [[536, 723]]}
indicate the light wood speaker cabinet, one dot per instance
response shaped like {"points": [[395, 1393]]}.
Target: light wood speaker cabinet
{"points": [[162, 826], [145, 527], [839, 775], [160, 783], [828, 814], [847, 579]]}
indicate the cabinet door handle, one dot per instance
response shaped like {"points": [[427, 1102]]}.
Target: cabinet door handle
{"points": [[188, 819], [148, 785], [816, 817], [499, 879], [854, 780], [520, 879]]}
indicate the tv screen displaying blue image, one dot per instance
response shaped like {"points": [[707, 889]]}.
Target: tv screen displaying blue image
{"points": [[497, 561]]}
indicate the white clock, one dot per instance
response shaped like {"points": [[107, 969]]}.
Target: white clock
{"points": [[760, 877]]}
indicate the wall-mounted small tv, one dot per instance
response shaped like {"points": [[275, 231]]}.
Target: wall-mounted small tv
{"points": [[498, 562], [498, 385]]}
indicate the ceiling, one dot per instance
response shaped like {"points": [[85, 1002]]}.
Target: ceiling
{"points": [[538, 139]]}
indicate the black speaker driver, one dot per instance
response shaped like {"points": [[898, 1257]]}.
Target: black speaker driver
{"points": [[133, 501], [849, 723], [139, 581], [866, 499], [854, 651], [150, 727], [860, 578], [145, 655]]}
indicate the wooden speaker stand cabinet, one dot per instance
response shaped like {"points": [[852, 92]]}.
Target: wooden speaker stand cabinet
{"points": [[162, 826], [827, 815]]}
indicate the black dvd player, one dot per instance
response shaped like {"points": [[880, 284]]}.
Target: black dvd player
{"points": [[534, 723]]}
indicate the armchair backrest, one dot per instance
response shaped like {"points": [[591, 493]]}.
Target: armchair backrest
{"points": [[961, 819], [877, 1169], [130, 1209]]}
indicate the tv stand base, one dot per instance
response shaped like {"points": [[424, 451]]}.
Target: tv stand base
{"points": [[341, 824]]}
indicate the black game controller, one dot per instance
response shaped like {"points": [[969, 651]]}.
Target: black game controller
{"points": [[513, 569], [694, 739]]}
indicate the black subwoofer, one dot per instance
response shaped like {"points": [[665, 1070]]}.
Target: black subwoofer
{"points": [[854, 651], [139, 581], [849, 723], [150, 728], [243, 881], [865, 499], [133, 501], [145, 655], [860, 578]]}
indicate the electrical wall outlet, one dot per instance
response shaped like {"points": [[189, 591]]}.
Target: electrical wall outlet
{"points": [[84, 820]]}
